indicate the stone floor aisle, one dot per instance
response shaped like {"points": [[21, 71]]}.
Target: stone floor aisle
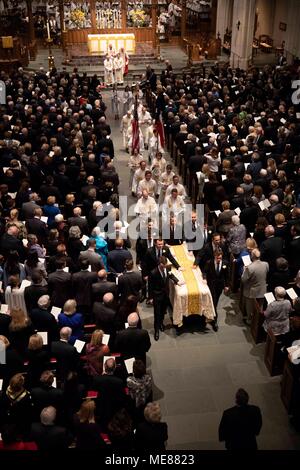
{"points": [[197, 374]]}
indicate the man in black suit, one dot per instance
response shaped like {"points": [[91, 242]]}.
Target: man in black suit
{"points": [[159, 284], [66, 355], [104, 313], [35, 291], [207, 252], [111, 392], [47, 435], [216, 274], [60, 284], [175, 234], [130, 282], [240, 424], [153, 254], [43, 320], [116, 258], [103, 286], [133, 341], [271, 248], [294, 250], [145, 241], [78, 220], [10, 242], [195, 235], [82, 287], [196, 162], [46, 394], [36, 226]]}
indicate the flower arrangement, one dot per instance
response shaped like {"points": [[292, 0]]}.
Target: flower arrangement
{"points": [[138, 17], [77, 17]]}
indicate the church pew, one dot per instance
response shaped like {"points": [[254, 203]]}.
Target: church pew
{"points": [[288, 386], [273, 356], [256, 328]]}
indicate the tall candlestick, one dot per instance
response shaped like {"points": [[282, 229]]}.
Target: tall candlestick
{"points": [[48, 30]]}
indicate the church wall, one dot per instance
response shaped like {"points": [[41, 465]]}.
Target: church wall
{"points": [[265, 10]]}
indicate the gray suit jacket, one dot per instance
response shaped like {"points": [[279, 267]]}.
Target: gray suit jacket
{"points": [[93, 258], [254, 280], [28, 209]]}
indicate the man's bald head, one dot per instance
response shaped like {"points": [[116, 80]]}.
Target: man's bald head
{"points": [[102, 274], [133, 319], [108, 298]]}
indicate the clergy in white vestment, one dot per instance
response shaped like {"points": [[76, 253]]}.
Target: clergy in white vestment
{"points": [[125, 125], [176, 185], [145, 209], [147, 183], [118, 67], [108, 71]]}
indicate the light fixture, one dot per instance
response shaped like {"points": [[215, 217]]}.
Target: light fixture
{"points": [[238, 24]]}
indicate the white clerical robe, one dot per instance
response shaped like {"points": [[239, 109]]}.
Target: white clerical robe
{"points": [[109, 71], [118, 67]]}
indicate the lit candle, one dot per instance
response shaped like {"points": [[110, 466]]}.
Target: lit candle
{"points": [[48, 30]]}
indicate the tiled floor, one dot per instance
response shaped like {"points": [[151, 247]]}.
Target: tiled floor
{"points": [[197, 374]]}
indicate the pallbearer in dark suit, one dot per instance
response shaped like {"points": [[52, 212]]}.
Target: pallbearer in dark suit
{"points": [[196, 234], [215, 272], [159, 282]]}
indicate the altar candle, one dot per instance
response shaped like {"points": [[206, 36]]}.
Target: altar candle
{"points": [[48, 30]]}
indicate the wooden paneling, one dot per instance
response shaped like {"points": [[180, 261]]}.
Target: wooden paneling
{"points": [[80, 36]]}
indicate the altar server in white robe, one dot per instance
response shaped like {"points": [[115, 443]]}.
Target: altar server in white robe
{"points": [[154, 145], [134, 164], [118, 67], [108, 70], [125, 124], [147, 183], [145, 122], [138, 176]]}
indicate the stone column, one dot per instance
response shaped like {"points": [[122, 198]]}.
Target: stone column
{"points": [[224, 17], [124, 15], [155, 42], [30, 21], [62, 25], [183, 19], [93, 15], [242, 33]]}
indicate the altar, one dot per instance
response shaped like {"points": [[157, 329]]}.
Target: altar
{"points": [[98, 43]]}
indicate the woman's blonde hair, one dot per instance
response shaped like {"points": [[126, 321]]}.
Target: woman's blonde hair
{"points": [[152, 412], [51, 200], [97, 337], [251, 244], [70, 307], [86, 414], [14, 214], [19, 319], [35, 342]]}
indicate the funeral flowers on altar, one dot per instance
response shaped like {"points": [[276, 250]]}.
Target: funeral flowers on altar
{"points": [[78, 18], [138, 17]]}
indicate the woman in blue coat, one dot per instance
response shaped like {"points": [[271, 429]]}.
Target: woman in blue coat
{"points": [[74, 320]]}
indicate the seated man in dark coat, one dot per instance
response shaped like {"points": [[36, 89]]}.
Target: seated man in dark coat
{"points": [[240, 424]]}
